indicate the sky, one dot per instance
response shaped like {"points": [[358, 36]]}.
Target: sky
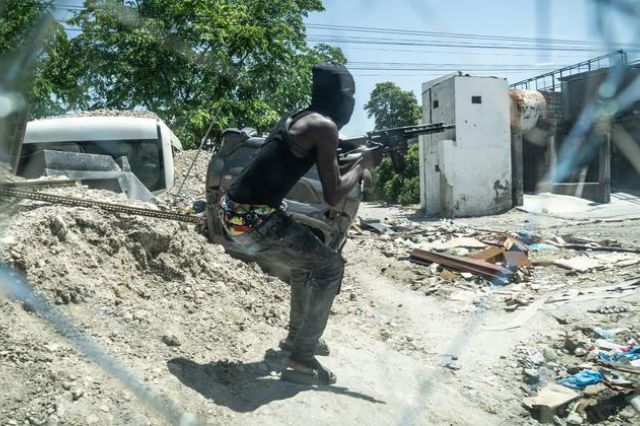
{"points": [[567, 19], [550, 19]]}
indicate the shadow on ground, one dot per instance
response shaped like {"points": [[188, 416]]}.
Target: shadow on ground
{"points": [[244, 387]]}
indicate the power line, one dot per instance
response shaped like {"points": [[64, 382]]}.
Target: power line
{"points": [[416, 33], [456, 52], [404, 42], [442, 45], [443, 39], [440, 64]]}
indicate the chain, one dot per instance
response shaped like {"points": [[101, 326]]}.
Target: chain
{"points": [[6, 191]]}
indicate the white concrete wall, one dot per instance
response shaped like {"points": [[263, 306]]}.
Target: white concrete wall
{"points": [[467, 172], [430, 145]]}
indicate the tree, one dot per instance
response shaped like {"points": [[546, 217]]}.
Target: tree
{"points": [[390, 106], [238, 63], [32, 48]]}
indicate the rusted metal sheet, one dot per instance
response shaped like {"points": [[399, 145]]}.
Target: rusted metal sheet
{"points": [[516, 259], [463, 264], [526, 108]]}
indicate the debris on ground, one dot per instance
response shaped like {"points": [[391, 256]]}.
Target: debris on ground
{"points": [[549, 401], [375, 226], [499, 264], [595, 366], [125, 280], [584, 263], [194, 323]]}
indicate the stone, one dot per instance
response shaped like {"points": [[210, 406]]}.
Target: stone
{"points": [[452, 365], [140, 315], [573, 341], [171, 339], [535, 358], [558, 421], [58, 227], [580, 352], [574, 419], [593, 390], [531, 375], [549, 355], [76, 394]]}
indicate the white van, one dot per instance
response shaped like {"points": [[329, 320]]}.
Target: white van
{"points": [[147, 143]]}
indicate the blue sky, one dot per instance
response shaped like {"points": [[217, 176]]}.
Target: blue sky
{"points": [[567, 19]]}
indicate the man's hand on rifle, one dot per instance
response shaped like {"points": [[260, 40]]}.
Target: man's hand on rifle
{"points": [[371, 157]]}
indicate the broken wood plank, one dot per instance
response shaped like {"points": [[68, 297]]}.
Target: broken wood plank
{"points": [[490, 254]]}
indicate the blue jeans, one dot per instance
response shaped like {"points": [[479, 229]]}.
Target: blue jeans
{"points": [[316, 273]]}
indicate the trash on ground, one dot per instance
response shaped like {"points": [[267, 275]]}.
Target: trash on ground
{"points": [[584, 263], [375, 225], [463, 264], [604, 333], [462, 242], [549, 400], [582, 379]]}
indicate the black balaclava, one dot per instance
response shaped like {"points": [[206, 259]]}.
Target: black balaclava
{"points": [[332, 93]]}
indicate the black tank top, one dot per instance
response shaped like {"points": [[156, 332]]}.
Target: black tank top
{"points": [[274, 170]]}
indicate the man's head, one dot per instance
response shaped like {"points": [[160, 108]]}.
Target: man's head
{"points": [[332, 93]]}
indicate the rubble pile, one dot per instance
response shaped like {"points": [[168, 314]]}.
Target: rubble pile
{"points": [[143, 288], [592, 375], [455, 255], [193, 189], [441, 257]]}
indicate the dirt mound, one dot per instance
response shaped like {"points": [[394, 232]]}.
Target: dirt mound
{"points": [[186, 192], [149, 291]]}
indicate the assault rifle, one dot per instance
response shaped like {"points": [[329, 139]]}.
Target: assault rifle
{"points": [[393, 142]]}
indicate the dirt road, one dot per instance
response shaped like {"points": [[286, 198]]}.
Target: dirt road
{"points": [[199, 330]]}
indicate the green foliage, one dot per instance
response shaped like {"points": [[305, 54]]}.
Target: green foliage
{"points": [[238, 63], [392, 107], [398, 188], [32, 48], [233, 62]]}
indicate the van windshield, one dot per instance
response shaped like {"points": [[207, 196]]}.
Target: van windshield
{"points": [[145, 157]]}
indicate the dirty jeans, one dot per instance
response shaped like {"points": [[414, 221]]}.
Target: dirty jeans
{"points": [[316, 273]]}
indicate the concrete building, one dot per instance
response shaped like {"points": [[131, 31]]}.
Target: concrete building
{"points": [[563, 157], [466, 171]]}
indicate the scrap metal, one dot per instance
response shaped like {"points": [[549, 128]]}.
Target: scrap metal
{"points": [[464, 264], [10, 192]]}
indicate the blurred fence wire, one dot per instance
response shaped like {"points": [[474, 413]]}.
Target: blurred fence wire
{"points": [[612, 99], [14, 286]]}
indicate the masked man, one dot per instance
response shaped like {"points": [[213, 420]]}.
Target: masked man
{"points": [[254, 216]]}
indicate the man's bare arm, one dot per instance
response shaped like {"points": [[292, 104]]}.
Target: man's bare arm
{"points": [[322, 134]]}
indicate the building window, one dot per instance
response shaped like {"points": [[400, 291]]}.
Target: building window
{"points": [[476, 99], [435, 104]]}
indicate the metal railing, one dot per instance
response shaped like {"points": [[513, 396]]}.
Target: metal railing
{"points": [[551, 81]]}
